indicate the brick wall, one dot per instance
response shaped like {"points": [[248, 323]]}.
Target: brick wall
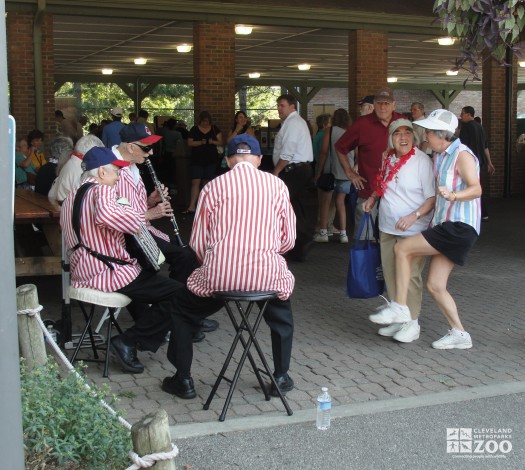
{"points": [[367, 65], [214, 72], [21, 72]]}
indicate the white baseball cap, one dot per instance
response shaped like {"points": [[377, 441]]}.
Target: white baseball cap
{"points": [[117, 111], [440, 120]]}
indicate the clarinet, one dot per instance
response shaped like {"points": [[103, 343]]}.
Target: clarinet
{"points": [[158, 185]]}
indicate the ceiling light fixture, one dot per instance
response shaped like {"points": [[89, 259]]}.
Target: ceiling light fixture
{"points": [[184, 48], [107, 71], [243, 29], [446, 41], [391, 79], [521, 63], [254, 75], [304, 66], [140, 61], [452, 72]]}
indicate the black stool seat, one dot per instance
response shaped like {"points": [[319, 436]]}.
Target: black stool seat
{"points": [[244, 326]]}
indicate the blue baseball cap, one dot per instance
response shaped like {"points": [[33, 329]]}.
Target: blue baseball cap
{"points": [[100, 156], [234, 145]]}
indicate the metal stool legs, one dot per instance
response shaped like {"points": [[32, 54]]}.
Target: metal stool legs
{"points": [[88, 330], [251, 329]]}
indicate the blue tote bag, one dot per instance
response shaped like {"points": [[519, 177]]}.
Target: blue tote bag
{"points": [[365, 274]]}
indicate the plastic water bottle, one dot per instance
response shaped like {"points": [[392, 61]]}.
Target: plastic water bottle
{"points": [[324, 408]]}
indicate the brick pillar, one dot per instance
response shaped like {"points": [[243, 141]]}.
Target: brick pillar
{"points": [[214, 72], [493, 120], [367, 65], [21, 72]]}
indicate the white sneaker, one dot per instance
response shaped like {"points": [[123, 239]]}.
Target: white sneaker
{"points": [[454, 339], [332, 230], [391, 330], [343, 238], [392, 313], [409, 332], [321, 238]]}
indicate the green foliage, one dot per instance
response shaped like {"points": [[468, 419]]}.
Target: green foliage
{"points": [[259, 102], [492, 25], [65, 423]]}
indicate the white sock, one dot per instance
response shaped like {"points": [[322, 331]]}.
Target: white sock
{"points": [[323, 231], [342, 232]]}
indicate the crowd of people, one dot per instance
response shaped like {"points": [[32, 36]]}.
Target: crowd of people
{"points": [[411, 172]]}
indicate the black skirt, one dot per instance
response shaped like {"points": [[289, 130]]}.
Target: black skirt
{"points": [[452, 239]]}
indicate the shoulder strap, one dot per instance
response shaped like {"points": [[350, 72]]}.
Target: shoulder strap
{"points": [[77, 213]]}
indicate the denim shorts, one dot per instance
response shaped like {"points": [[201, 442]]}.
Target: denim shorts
{"points": [[343, 186]]}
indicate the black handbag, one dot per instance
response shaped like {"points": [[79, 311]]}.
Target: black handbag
{"points": [[326, 181]]}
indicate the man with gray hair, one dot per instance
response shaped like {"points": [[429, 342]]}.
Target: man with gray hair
{"points": [[59, 152], [69, 173]]}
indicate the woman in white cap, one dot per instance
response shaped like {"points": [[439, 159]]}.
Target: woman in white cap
{"points": [[454, 228], [405, 185]]}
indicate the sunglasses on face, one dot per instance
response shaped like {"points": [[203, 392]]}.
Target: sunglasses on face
{"points": [[144, 148]]}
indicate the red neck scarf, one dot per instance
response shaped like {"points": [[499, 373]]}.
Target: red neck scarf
{"points": [[389, 170]]}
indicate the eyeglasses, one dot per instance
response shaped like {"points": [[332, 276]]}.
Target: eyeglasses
{"points": [[144, 148]]}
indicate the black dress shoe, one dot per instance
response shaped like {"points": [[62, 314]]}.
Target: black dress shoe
{"points": [[284, 382], [127, 356], [198, 337], [182, 388], [209, 325]]}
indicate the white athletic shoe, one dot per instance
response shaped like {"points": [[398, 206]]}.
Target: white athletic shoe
{"points": [[391, 330], [454, 339], [409, 332], [343, 238], [392, 313], [321, 238]]}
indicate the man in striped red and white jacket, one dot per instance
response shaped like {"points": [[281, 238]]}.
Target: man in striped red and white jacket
{"points": [[103, 224], [243, 225]]}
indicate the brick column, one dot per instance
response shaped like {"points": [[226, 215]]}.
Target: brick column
{"points": [[214, 72], [367, 65], [493, 121], [21, 72]]}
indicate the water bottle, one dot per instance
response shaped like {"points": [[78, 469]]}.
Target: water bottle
{"points": [[324, 407]]}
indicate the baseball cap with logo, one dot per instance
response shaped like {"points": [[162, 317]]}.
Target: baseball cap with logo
{"points": [[117, 111], [384, 95], [100, 156], [235, 147], [138, 132], [440, 120]]}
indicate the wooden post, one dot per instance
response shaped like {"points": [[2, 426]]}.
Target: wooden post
{"points": [[151, 435], [30, 336]]}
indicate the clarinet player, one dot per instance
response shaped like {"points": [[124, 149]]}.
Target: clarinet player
{"points": [[137, 145]]}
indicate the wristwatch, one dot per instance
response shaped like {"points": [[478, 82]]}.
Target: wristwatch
{"points": [[418, 214]]}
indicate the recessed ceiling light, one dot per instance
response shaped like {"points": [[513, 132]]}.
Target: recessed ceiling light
{"points": [[446, 41], [304, 66], [140, 61], [107, 71], [243, 29], [254, 75], [391, 79], [452, 72], [184, 48], [521, 63]]}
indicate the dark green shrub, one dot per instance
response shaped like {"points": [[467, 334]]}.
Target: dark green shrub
{"points": [[64, 423]]}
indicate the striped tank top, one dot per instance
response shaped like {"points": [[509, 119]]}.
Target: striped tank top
{"points": [[446, 174]]}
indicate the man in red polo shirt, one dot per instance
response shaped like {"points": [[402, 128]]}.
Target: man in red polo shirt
{"points": [[369, 134]]}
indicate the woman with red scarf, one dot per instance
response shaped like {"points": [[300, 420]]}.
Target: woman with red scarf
{"points": [[405, 186]]}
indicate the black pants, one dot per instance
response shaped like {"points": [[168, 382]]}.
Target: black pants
{"points": [[190, 309], [297, 180], [153, 303], [182, 261]]}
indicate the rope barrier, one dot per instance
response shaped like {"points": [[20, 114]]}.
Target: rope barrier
{"points": [[145, 461], [149, 460], [36, 313]]}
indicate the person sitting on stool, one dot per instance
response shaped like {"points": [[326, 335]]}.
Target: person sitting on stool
{"points": [[108, 267], [243, 225]]}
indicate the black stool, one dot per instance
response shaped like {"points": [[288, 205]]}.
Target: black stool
{"points": [[113, 301], [240, 327]]}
